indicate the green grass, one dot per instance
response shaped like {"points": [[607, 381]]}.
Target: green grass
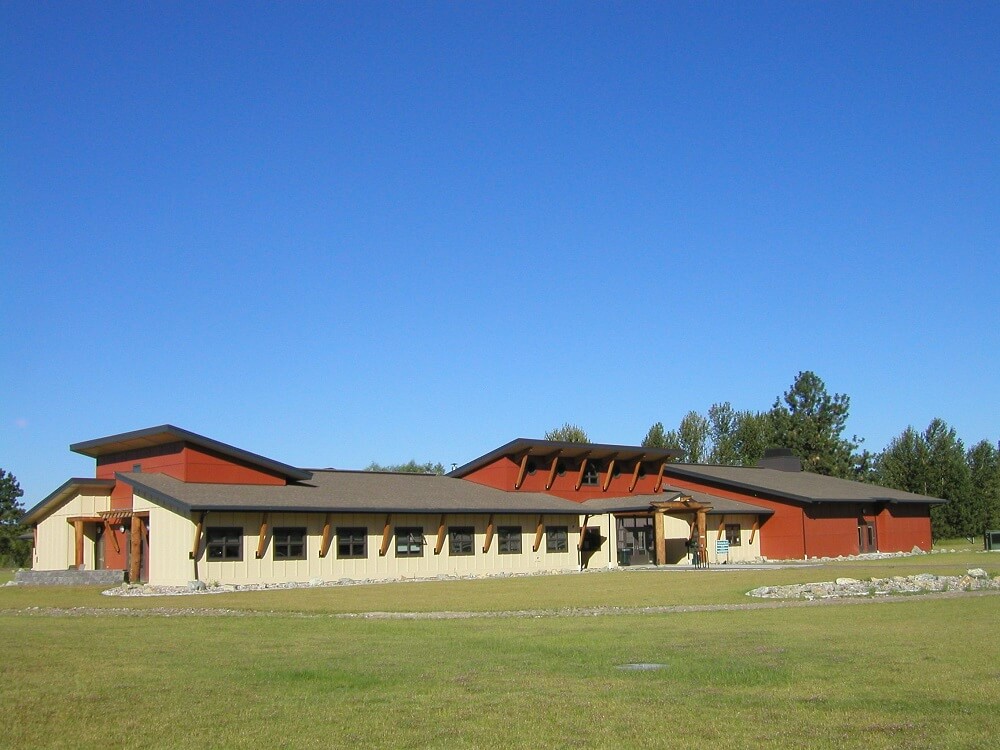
{"points": [[919, 673], [6, 575], [915, 674]]}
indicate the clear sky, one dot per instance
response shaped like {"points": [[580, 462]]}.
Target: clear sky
{"points": [[333, 233]]}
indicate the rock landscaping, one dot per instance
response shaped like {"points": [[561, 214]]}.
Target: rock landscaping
{"points": [[975, 579]]}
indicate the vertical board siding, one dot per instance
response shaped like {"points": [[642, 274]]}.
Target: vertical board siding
{"points": [[56, 547]]}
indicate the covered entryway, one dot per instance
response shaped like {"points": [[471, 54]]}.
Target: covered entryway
{"points": [[636, 539]]}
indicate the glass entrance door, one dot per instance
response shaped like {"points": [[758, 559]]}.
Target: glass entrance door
{"points": [[635, 540]]}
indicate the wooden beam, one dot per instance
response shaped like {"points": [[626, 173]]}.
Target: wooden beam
{"points": [[660, 538], [579, 476], [659, 477], [607, 478], [552, 472], [753, 530], [521, 472], [635, 475], [440, 540], [196, 544], [327, 538], [262, 539], [539, 530], [135, 550], [702, 535], [583, 532], [489, 535], [722, 528], [386, 535], [78, 526]]}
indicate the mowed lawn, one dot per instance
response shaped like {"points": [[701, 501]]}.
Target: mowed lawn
{"points": [[908, 674]]}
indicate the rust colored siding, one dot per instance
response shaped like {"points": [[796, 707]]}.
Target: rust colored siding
{"points": [[900, 528]]}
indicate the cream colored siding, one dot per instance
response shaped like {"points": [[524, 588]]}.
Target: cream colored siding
{"points": [[745, 552], [56, 544], [171, 537]]}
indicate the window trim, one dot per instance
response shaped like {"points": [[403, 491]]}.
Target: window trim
{"points": [[352, 532], [420, 543], [552, 543], [225, 544], [505, 536], [471, 531], [287, 532]]}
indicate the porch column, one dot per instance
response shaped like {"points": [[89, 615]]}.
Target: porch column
{"points": [[135, 550], [661, 543], [703, 533], [78, 528]]}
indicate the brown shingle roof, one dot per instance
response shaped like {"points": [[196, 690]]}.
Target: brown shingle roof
{"points": [[348, 491], [803, 486]]}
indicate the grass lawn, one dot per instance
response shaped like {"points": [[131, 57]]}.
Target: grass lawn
{"points": [[919, 673]]}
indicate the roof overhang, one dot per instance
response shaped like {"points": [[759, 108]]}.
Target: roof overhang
{"points": [[69, 488], [167, 434]]}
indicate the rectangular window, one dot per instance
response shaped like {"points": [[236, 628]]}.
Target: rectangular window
{"points": [[733, 534], [461, 540], [409, 541], [509, 540], [351, 542], [289, 543], [556, 538], [224, 543]]}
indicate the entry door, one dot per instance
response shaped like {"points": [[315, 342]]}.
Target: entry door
{"points": [[866, 537], [635, 541]]}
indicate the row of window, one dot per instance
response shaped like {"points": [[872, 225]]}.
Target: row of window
{"points": [[289, 543]]}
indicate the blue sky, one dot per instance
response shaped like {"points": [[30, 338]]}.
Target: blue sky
{"points": [[339, 233]]}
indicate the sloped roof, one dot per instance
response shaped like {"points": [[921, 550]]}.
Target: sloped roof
{"points": [[802, 486], [166, 433], [639, 503], [549, 448], [65, 491], [347, 491]]}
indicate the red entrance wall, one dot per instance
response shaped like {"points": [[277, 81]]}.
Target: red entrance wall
{"points": [[900, 528]]}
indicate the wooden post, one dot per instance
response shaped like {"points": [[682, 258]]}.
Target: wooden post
{"points": [[702, 534], [659, 477], [661, 538], [489, 535], [262, 539], [439, 545], [607, 478], [327, 538], [521, 472], [196, 544], [78, 527], [579, 476], [386, 535], [135, 550], [552, 472], [539, 530]]}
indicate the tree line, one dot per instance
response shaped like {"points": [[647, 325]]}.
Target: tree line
{"points": [[810, 422]]}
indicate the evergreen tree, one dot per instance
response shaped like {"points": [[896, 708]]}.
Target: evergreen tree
{"points": [[656, 437], [13, 551], [984, 469], [410, 467], [692, 435], [568, 433], [738, 438], [811, 423]]}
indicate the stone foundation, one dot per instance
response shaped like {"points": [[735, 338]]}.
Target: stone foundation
{"points": [[69, 577]]}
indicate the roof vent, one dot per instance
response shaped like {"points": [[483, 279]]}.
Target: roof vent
{"points": [[780, 459]]}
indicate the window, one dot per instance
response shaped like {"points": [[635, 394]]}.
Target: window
{"points": [[733, 534], [461, 540], [289, 543], [590, 477], [556, 538], [409, 541], [351, 542], [509, 540], [224, 543]]}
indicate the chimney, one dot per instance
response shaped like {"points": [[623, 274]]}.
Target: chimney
{"points": [[780, 459]]}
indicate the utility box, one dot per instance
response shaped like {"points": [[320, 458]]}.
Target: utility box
{"points": [[991, 540]]}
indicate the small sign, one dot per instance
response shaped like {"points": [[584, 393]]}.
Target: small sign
{"points": [[722, 547]]}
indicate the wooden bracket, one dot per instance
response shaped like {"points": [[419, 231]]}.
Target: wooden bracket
{"points": [[722, 528], [521, 472], [607, 478], [579, 476], [262, 539], [439, 545], [635, 475], [659, 477], [386, 535], [539, 530], [196, 544], [552, 472], [583, 532], [327, 538], [489, 535], [753, 530]]}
